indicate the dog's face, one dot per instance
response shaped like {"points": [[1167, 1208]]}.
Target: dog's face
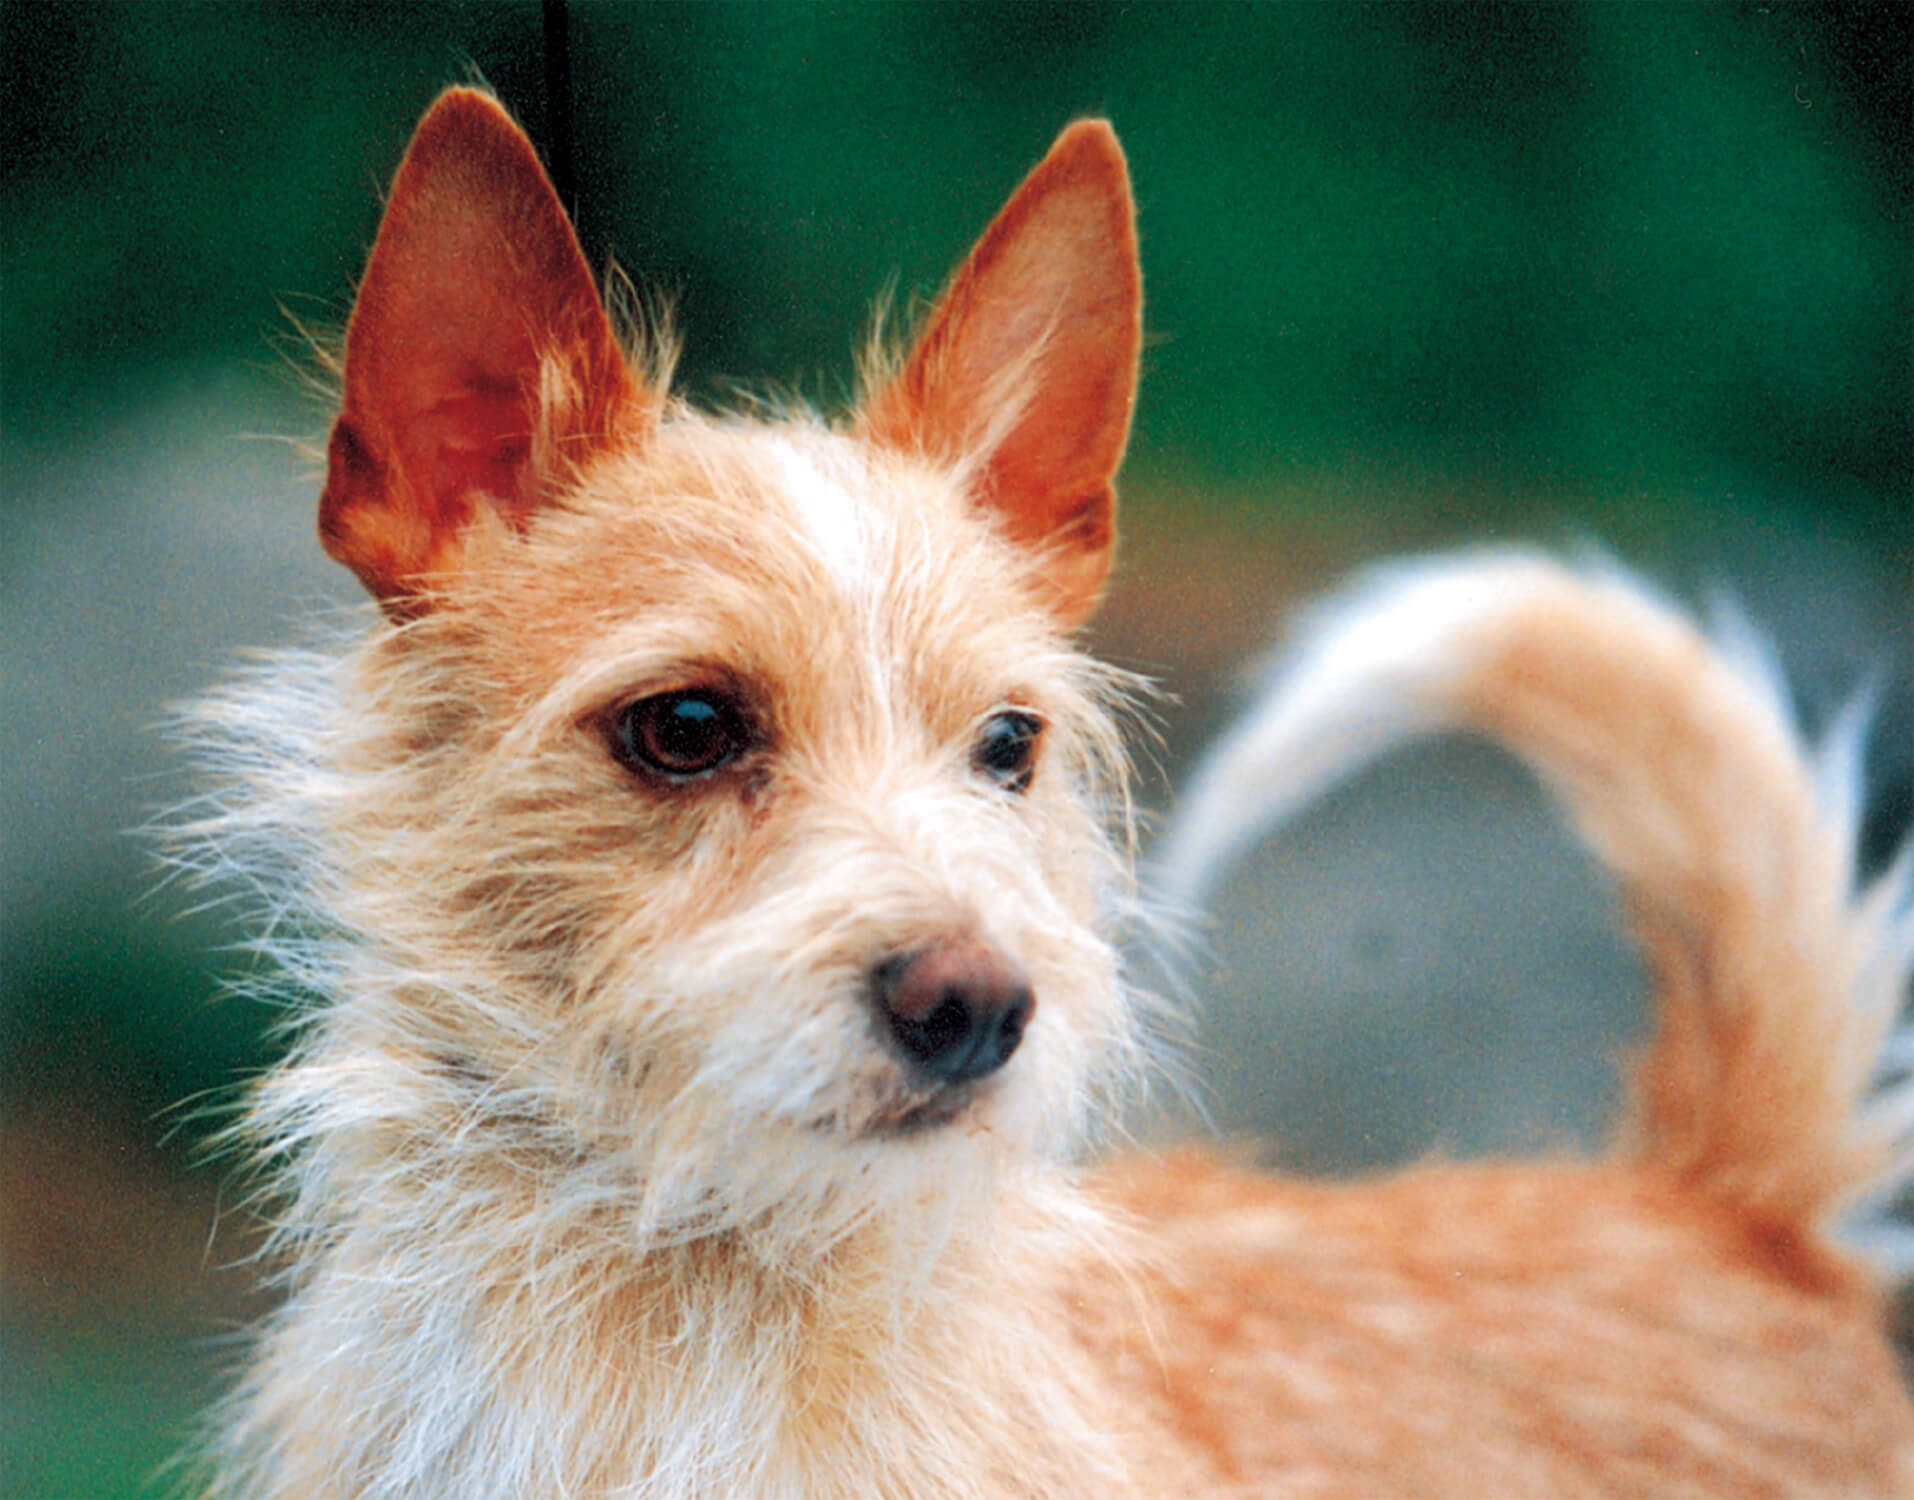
{"points": [[729, 805]]}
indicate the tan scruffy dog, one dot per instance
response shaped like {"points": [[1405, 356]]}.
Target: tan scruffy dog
{"points": [[705, 879]]}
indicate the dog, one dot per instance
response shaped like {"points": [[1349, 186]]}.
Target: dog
{"points": [[702, 890]]}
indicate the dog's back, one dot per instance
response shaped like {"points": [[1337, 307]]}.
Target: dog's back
{"points": [[1673, 1320]]}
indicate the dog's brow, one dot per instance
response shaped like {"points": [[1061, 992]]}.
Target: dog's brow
{"points": [[632, 661]]}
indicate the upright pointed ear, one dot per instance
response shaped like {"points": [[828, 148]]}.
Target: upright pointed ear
{"points": [[480, 365], [1027, 365]]}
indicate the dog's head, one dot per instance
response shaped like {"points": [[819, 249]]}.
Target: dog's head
{"points": [[723, 799]]}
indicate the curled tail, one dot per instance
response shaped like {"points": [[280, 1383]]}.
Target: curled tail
{"points": [[1777, 978]]}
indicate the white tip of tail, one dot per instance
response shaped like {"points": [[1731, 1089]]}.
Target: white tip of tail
{"points": [[1364, 672]]}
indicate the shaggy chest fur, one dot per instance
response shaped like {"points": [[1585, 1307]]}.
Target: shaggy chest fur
{"points": [[684, 1374]]}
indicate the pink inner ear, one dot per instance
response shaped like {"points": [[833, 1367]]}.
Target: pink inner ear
{"points": [[475, 444]]}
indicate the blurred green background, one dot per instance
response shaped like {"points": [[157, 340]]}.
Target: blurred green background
{"points": [[1415, 273]]}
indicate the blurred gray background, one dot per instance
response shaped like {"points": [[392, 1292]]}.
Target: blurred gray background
{"points": [[1416, 274]]}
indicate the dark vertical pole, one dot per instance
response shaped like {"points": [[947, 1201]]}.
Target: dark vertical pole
{"points": [[558, 100]]}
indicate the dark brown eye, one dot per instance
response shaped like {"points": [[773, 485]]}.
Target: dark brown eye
{"points": [[1006, 749], [680, 735]]}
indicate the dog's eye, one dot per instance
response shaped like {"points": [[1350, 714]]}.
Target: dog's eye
{"points": [[1006, 749], [680, 735]]}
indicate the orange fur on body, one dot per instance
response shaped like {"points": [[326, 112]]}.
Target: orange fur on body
{"points": [[616, 1152]]}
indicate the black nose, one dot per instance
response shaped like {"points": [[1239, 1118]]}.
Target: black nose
{"points": [[957, 1008]]}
